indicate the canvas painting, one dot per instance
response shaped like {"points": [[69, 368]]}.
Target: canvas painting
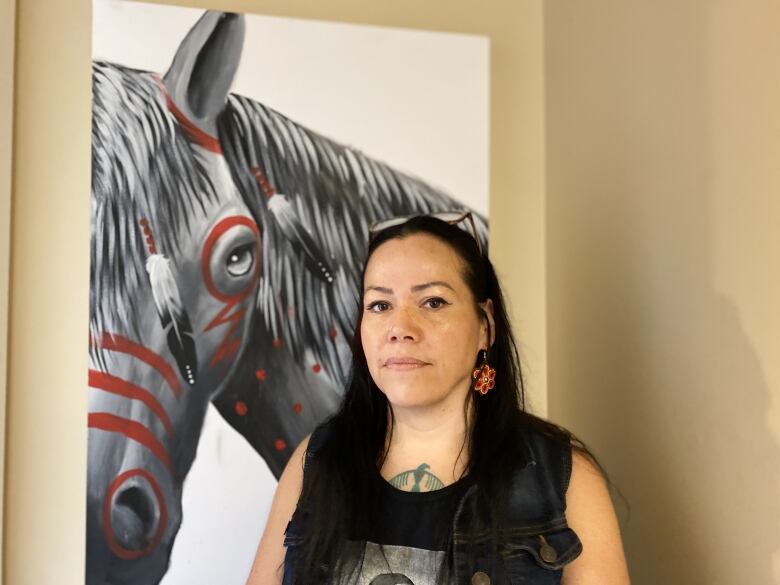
{"points": [[237, 164]]}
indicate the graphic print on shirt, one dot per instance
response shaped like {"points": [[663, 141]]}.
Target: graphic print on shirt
{"points": [[400, 565]]}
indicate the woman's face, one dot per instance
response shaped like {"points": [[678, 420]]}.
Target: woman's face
{"points": [[421, 328]]}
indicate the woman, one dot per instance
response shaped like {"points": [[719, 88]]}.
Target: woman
{"points": [[431, 471]]}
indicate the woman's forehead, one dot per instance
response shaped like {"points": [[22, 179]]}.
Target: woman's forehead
{"points": [[413, 260]]}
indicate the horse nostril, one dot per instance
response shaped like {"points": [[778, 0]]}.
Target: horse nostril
{"points": [[135, 516]]}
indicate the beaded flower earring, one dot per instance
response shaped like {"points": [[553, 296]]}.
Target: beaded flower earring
{"points": [[484, 376]]}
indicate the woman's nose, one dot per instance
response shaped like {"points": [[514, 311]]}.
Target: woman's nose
{"points": [[403, 328]]}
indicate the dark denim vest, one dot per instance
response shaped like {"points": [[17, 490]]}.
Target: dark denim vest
{"points": [[539, 542]]}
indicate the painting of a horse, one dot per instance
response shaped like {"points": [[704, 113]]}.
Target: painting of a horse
{"points": [[226, 248]]}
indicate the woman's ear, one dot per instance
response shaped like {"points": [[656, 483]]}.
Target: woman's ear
{"points": [[488, 325]]}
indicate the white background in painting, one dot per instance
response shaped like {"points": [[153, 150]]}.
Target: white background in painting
{"points": [[416, 100]]}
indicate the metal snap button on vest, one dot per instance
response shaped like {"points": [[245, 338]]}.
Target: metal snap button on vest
{"points": [[480, 578], [548, 553]]}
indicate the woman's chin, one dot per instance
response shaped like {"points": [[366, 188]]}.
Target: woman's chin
{"points": [[400, 396], [410, 391], [418, 396]]}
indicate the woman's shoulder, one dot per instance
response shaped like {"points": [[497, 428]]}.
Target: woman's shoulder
{"points": [[549, 451], [317, 438]]}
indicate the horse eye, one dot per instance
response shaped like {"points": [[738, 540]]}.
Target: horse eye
{"points": [[240, 261]]}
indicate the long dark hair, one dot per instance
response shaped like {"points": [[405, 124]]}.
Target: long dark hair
{"points": [[338, 492]]}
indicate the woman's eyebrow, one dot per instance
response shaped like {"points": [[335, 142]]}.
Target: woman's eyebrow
{"points": [[380, 289], [419, 287], [416, 288]]}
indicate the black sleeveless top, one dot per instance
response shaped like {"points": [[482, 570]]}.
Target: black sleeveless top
{"points": [[415, 519], [415, 531], [410, 533]]}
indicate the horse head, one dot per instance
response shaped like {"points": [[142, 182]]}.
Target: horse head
{"points": [[176, 261]]}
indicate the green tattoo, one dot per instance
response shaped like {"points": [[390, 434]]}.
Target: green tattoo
{"points": [[431, 482]]}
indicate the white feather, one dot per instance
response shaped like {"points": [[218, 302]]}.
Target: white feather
{"points": [[164, 290], [283, 212]]}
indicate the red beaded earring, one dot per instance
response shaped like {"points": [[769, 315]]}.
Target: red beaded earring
{"points": [[484, 376]]}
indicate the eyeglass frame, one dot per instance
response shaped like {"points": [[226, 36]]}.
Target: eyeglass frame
{"points": [[389, 222]]}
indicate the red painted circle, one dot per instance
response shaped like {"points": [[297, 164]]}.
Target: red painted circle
{"points": [[297, 408], [280, 445], [216, 233], [241, 408], [260, 375], [277, 343], [108, 530], [333, 333], [316, 368]]}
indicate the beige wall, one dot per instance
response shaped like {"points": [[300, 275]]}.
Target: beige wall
{"points": [[663, 174], [7, 30], [46, 414], [46, 450], [661, 213]]}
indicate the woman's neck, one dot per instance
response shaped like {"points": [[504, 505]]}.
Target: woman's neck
{"points": [[430, 441]]}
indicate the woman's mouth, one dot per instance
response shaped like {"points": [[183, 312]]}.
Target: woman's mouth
{"points": [[404, 363]]}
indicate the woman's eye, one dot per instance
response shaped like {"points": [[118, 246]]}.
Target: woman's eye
{"points": [[436, 303], [378, 307], [240, 260]]}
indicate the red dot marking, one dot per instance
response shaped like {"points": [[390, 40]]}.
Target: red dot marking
{"points": [[277, 343], [280, 445], [241, 408], [297, 408], [260, 375], [316, 368], [333, 333]]}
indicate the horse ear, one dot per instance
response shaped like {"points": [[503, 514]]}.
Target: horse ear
{"points": [[204, 66]]}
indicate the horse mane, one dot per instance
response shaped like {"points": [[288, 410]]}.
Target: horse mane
{"points": [[336, 193], [143, 168]]}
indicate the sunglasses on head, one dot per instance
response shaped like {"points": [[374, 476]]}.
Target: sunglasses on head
{"points": [[450, 217]]}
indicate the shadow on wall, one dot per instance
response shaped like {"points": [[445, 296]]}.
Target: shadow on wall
{"points": [[649, 363], [703, 459]]}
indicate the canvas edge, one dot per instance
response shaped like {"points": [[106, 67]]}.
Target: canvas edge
{"points": [[7, 55]]}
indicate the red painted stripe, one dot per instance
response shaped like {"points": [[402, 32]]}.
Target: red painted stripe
{"points": [[132, 430], [114, 342], [121, 387], [229, 345], [202, 138], [206, 140]]}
